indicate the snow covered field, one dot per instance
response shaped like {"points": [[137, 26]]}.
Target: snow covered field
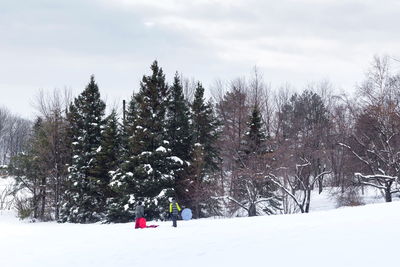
{"points": [[361, 236]]}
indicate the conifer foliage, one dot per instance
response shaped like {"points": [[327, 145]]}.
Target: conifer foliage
{"points": [[261, 153], [205, 129], [177, 121], [205, 155], [148, 172], [179, 135], [108, 156], [85, 198], [255, 137], [28, 171], [120, 204], [128, 128], [253, 190]]}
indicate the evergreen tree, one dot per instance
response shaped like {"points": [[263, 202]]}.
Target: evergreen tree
{"points": [[108, 156], [205, 156], [255, 137], [253, 191], [41, 168], [205, 129], [29, 174], [179, 134], [150, 170], [128, 129], [120, 205], [177, 122], [84, 201]]}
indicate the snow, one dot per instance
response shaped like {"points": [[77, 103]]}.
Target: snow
{"points": [[352, 236], [145, 153], [131, 199], [342, 237], [325, 200], [166, 177], [161, 149], [374, 176], [116, 183], [148, 168], [162, 193], [176, 159]]}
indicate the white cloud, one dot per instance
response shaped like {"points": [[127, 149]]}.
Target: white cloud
{"points": [[60, 44], [149, 23]]}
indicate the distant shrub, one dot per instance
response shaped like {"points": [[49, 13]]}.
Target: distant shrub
{"points": [[23, 208], [350, 197]]}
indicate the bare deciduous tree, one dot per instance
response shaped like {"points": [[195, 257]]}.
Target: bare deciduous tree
{"points": [[14, 132], [375, 139], [299, 184]]}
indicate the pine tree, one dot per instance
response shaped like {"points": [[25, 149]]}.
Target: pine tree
{"points": [[44, 158], [179, 134], [84, 200], [108, 156], [29, 173], [120, 205], [205, 155], [255, 137], [128, 128], [150, 170], [253, 191], [177, 122], [205, 129]]}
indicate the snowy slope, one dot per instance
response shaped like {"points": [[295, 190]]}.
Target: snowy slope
{"points": [[326, 200], [361, 236]]}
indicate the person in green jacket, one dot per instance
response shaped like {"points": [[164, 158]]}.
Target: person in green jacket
{"points": [[174, 210]]}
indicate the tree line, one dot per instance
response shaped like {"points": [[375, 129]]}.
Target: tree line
{"points": [[249, 150], [13, 135]]}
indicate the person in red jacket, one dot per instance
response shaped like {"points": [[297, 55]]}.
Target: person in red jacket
{"points": [[139, 216], [174, 210]]}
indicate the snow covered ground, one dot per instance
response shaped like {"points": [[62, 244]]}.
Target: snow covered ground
{"points": [[360, 236], [327, 201]]}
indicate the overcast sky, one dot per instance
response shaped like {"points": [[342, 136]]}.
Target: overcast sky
{"points": [[46, 44]]}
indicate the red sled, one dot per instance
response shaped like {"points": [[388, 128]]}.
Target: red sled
{"points": [[141, 223]]}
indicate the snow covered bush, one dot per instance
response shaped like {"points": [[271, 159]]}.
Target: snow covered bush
{"points": [[23, 207], [350, 197]]}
